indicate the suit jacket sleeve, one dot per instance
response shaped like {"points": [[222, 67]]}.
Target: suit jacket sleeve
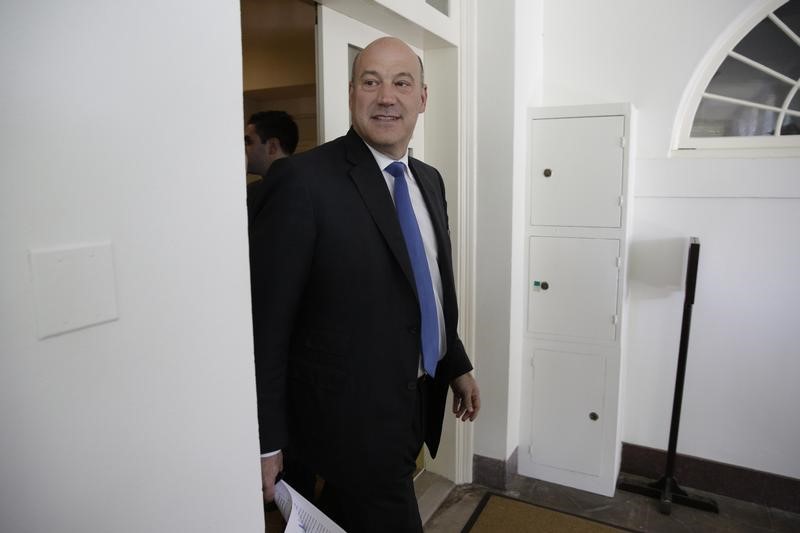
{"points": [[282, 236]]}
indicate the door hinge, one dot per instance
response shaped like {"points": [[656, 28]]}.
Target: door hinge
{"points": [[614, 319], [622, 141], [530, 449], [621, 200], [619, 262]]}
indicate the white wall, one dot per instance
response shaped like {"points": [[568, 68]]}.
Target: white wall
{"points": [[509, 69], [741, 397], [494, 193], [122, 122], [528, 67]]}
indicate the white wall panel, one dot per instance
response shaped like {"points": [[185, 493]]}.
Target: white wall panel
{"points": [[494, 195], [742, 369], [122, 123]]}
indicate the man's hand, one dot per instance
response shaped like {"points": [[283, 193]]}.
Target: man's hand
{"points": [[466, 397], [270, 466]]}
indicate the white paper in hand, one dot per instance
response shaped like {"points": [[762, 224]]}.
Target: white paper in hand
{"points": [[301, 515]]}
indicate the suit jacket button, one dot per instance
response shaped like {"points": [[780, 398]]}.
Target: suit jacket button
{"points": [[412, 385], [413, 330]]}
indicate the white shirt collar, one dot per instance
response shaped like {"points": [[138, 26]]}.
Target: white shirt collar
{"points": [[384, 160]]}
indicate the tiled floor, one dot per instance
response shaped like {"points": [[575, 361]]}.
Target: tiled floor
{"points": [[624, 509]]}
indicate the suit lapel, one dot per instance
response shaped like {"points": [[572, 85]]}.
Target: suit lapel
{"points": [[369, 181], [432, 195]]}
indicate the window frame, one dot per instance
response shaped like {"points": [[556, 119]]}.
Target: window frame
{"points": [[683, 144]]}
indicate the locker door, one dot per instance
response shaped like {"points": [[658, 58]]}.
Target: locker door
{"points": [[572, 289], [568, 411], [577, 171]]}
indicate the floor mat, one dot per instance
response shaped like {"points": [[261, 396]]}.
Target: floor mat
{"points": [[497, 513]]}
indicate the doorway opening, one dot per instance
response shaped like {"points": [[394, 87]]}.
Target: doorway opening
{"points": [[279, 63]]}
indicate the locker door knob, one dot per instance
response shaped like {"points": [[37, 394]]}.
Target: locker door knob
{"points": [[545, 285], [593, 416], [547, 173]]}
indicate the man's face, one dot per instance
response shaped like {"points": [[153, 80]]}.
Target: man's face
{"points": [[387, 95], [256, 152]]}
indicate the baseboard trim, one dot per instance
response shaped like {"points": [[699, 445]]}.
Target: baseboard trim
{"points": [[494, 473], [737, 482]]}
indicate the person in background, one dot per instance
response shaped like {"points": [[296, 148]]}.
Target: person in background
{"points": [[269, 137]]}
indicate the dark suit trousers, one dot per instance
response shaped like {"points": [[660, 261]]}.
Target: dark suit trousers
{"points": [[380, 506]]}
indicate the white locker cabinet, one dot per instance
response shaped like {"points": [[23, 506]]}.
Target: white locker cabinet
{"points": [[577, 227], [576, 171], [574, 284], [567, 410]]}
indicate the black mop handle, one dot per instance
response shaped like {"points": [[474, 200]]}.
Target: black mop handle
{"points": [[691, 283]]}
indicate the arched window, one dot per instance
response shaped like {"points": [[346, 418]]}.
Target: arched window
{"points": [[748, 96]]}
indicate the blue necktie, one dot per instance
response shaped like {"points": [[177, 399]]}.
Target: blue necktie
{"points": [[419, 265]]}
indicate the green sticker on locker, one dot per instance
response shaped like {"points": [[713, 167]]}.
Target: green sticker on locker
{"points": [[537, 283]]}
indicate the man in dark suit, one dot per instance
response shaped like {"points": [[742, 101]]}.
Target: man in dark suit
{"points": [[354, 306]]}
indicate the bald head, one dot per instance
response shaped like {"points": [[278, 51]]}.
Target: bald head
{"points": [[387, 93], [377, 42]]}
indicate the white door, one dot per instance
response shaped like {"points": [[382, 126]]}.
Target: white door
{"points": [[568, 411], [572, 287], [577, 171], [339, 38]]}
